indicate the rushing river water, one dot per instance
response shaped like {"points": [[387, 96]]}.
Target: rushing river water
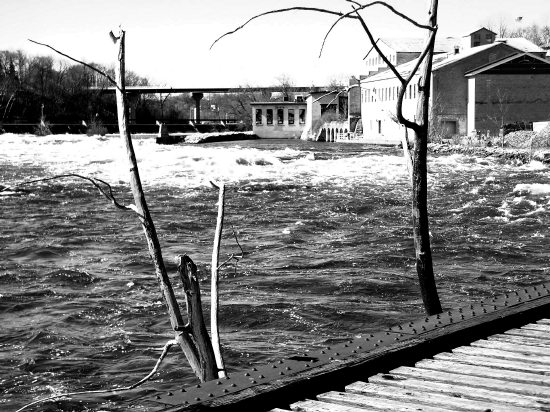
{"points": [[327, 240]]}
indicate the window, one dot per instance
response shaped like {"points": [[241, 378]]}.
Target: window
{"points": [[448, 128], [302, 116], [488, 37], [328, 108], [379, 126], [290, 116], [280, 116], [269, 116], [258, 116]]}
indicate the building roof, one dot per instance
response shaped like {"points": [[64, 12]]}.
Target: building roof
{"points": [[520, 43], [529, 61], [416, 45], [478, 29], [443, 60], [274, 103]]}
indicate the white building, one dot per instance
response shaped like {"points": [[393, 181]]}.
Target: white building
{"points": [[278, 120]]}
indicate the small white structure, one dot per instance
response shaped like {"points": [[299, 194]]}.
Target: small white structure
{"points": [[278, 120], [324, 107]]}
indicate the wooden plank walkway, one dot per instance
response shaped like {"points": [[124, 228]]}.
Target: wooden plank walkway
{"points": [[495, 351], [504, 372]]}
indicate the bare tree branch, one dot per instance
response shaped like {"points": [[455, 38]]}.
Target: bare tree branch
{"points": [[214, 293], [94, 181], [335, 13], [364, 6], [95, 69], [393, 10], [375, 45], [165, 350]]}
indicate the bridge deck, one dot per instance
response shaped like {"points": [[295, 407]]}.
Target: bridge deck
{"points": [[505, 372], [496, 351]]}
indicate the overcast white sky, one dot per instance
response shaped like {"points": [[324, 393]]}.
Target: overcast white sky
{"points": [[168, 40]]}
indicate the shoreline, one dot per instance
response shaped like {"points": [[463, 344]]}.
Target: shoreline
{"points": [[506, 153]]}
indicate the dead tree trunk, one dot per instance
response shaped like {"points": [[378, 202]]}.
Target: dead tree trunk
{"points": [[421, 230], [203, 365], [420, 127]]}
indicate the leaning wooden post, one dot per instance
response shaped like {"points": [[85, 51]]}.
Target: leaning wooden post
{"points": [[214, 294], [188, 274], [183, 335]]}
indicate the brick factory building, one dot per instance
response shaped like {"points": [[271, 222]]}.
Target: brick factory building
{"points": [[480, 84]]}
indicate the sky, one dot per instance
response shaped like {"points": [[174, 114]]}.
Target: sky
{"points": [[168, 41]]}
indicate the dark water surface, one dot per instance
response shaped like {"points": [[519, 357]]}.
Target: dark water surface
{"points": [[325, 228]]}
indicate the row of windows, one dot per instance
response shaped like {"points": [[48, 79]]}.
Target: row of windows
{"points": [[280, 116], [377, 61], [385, 94]]}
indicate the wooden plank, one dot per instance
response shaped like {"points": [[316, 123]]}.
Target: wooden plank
{"points": [[478, 382], [521, 340], [511, 347], [544, 321], [375, 403], [316, 406], [485, 372], [411, 348], [452, 401], [456, 389], [530, 333], [495, 363], [537, 326], [502, 354]]}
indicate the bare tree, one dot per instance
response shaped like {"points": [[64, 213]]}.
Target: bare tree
{"points": [[420, 126], [192, 335]]}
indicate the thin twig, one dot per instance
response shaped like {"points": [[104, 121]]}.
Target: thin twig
{"points": [[375, 45], [335, 13], [109, 195], [324, 95], [165, 350], [214, 294], [364, 6], [95, 69], [393, 10]]}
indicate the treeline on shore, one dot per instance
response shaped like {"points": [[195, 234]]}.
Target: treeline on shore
{"points": [[42, 89]]}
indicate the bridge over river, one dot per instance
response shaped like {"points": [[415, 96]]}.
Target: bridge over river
{"points": [[133, 93]]}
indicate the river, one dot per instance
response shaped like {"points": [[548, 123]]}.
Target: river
{"points": [[328, 253]]}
